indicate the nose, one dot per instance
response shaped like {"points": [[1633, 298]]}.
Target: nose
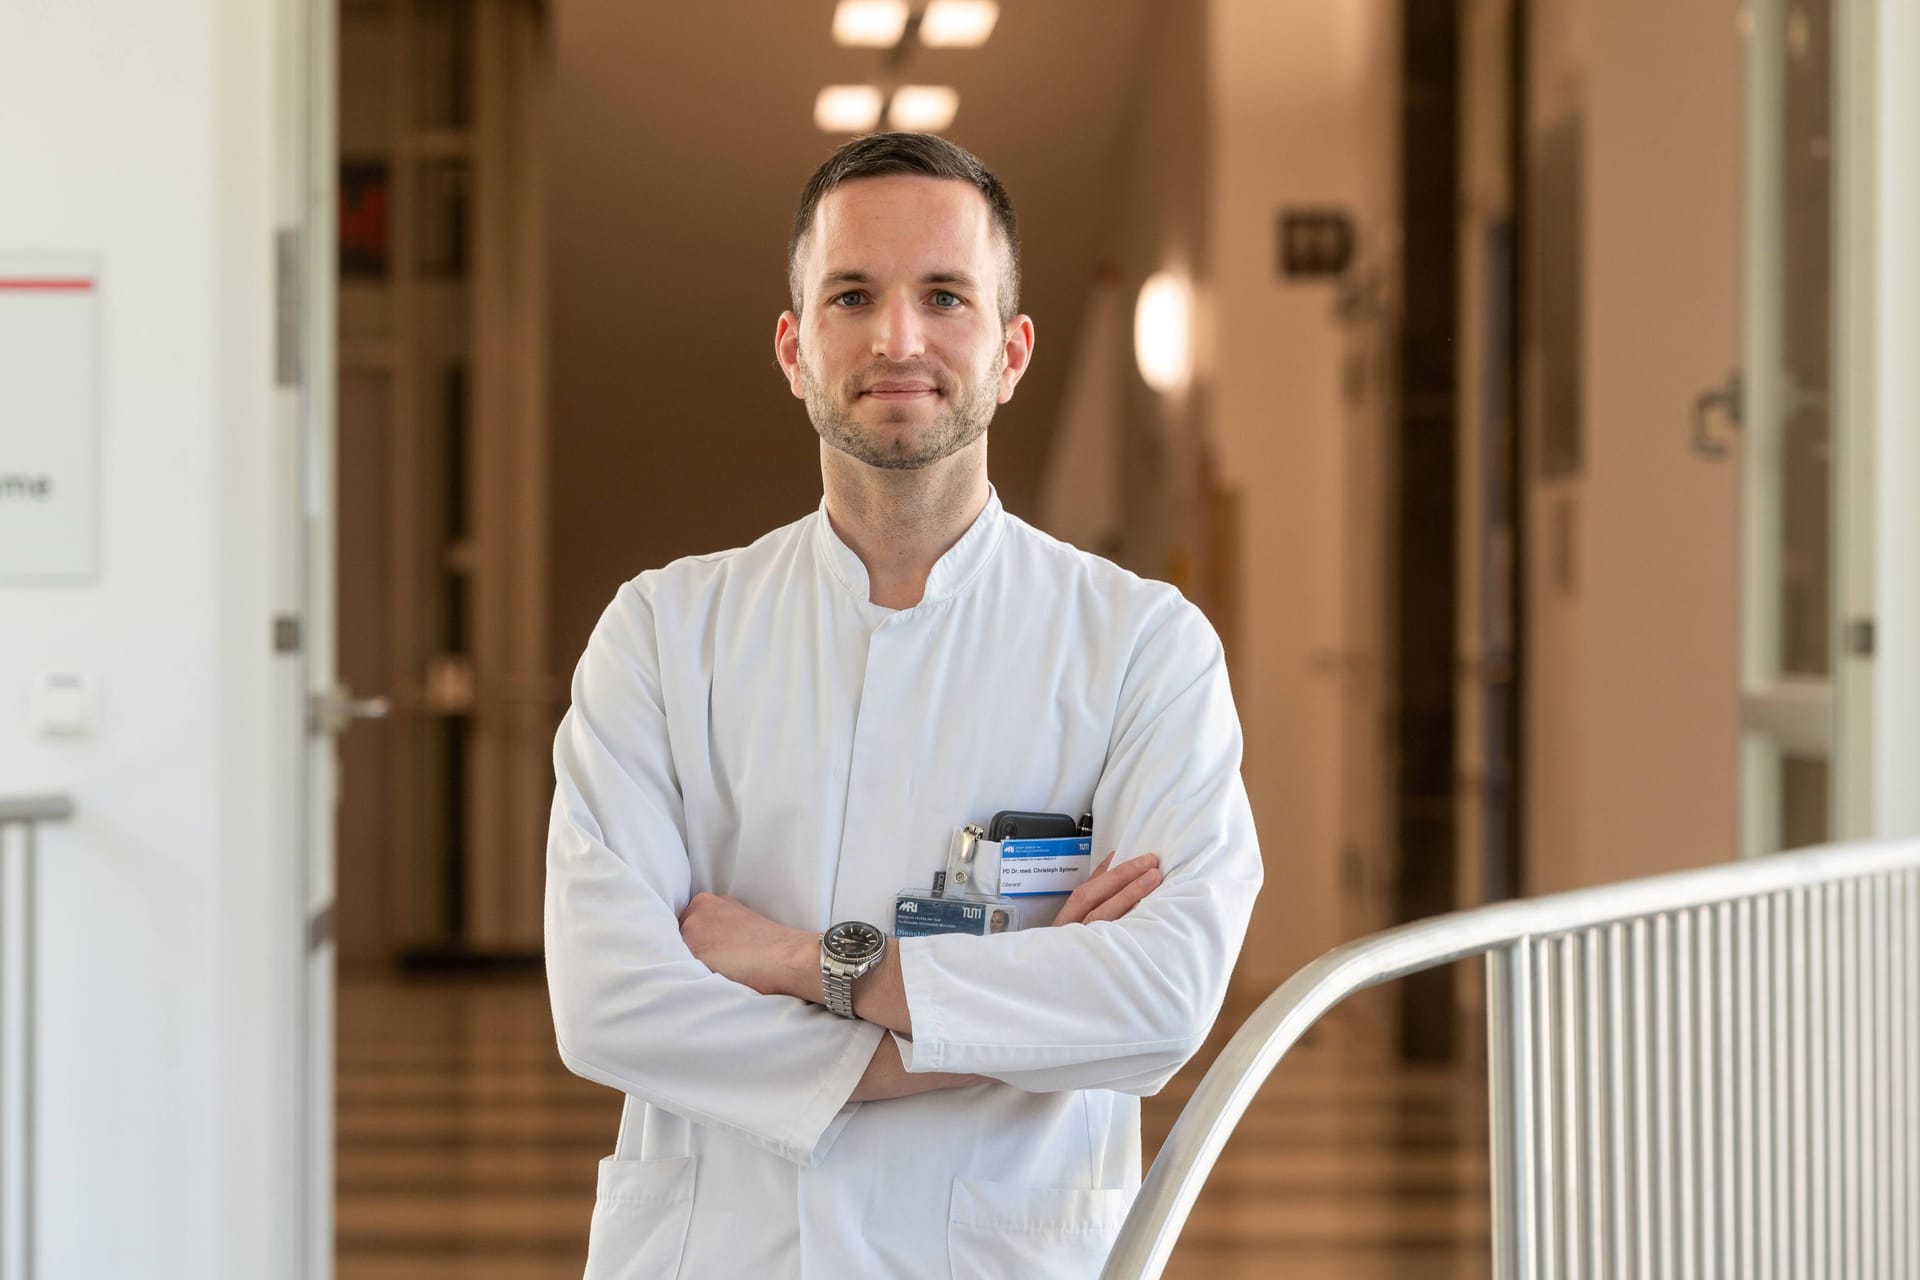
{"points": [[898, 334]]}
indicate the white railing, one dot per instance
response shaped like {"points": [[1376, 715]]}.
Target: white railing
{"points": [[20, 819], [1714, 1073]]}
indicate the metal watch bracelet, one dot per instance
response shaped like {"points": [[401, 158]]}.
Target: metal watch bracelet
{"points": [[839, 991]]}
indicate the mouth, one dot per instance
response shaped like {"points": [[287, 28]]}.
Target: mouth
{"points": [[901, 390]]}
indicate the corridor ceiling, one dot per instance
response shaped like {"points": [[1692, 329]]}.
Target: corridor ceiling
{"points": [[681, 135]]}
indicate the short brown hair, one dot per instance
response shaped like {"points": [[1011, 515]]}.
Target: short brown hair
{"points": [[878, 155]]}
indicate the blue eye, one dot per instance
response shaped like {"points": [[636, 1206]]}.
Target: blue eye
{"points": [[840, 298], [946, 301]]}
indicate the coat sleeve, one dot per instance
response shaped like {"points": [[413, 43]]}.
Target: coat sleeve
{"points": [[632, 1007], [1116, 1004]]}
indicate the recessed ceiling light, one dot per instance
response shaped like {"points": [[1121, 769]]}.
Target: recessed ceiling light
{"points": [[870, 24], [923, 108], [847, 108], [958, 24]]}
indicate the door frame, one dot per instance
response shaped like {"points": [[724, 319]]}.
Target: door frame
{"points": [[306, 247], [1879, 207], [1877, 530], [1799, 715], [1865, 717]]}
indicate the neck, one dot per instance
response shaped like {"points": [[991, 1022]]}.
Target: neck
{"points": [[900, 522]]}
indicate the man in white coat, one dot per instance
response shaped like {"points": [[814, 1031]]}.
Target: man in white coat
{"points": [[770, 742]]}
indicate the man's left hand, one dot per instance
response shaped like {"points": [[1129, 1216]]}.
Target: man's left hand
{"points": [[737, 942]]}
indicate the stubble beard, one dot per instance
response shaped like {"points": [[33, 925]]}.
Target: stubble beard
{"points": [[964, 414]]}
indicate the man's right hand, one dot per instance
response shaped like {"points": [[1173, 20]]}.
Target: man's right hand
{"points": [[1110, 892]]}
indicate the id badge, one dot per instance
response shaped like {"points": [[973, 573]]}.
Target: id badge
{"points": [[1036, 868], [918, 914]]}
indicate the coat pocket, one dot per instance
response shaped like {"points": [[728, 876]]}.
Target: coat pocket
{"points": [[1002, 1229], [640, 1217]]}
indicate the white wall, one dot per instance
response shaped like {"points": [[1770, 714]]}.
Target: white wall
{"points": [[140, 134]]}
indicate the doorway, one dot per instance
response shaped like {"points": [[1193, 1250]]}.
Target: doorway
{"points": [[447, 1091], [442, 526]]}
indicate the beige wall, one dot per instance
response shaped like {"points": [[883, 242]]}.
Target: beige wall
{"points": [[1631, 614], [1252, 108], [1162, 197], [1303, 103], [1632, 578]]}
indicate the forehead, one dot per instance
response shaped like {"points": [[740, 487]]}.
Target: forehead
{"points": [[901, 221]]}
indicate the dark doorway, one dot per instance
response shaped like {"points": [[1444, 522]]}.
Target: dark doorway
{"points": [[1426, 586], [1431, 449]]}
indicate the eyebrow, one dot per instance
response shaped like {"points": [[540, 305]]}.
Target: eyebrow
{"points": [[850, 276]]}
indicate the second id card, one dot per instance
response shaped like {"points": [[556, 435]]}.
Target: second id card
{"points": [[923, 915]]}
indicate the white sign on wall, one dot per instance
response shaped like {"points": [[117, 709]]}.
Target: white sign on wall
{"points": [[48, 392]]}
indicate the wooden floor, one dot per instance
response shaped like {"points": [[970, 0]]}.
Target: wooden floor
{"points": [[467, 1152]]}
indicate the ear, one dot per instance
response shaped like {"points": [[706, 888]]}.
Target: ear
{"points": [[786, 349], [1019, 355]]}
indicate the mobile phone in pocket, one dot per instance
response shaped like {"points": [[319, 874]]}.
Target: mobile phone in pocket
{"points": [[1016, 824]]}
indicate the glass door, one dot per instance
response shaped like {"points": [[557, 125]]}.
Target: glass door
{"points": [[1830, 671], [1785, 402]]}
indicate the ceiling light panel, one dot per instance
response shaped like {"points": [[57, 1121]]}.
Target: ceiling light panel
{"points": [[923, 108], [847, 108], [958, 24], [870, 24]]}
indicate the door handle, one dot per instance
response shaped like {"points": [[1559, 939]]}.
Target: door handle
{"points": [[334, 710], [1725, 399]]}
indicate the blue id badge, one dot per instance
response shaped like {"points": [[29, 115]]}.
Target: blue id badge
{"points": [[922, 915], [1034, 868]]}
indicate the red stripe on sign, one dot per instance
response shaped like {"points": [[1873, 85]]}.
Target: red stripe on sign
{"points": [[46, 284]]}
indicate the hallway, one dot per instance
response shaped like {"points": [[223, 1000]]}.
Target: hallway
{"points": [[467, 1152]]}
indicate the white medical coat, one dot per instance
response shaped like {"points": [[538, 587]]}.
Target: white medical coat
{"points": [[749, 723]]}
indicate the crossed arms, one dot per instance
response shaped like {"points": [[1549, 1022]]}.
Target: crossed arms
{"points": [[737, 942], [676, 998]]}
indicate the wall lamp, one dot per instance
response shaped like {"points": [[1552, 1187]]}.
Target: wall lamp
{"points": [[1163, 331]]}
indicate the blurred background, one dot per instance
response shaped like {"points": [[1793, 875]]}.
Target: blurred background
{"points": [[1516, 384]]}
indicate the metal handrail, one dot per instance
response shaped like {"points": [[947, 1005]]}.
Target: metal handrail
{"points": [[1167, 1196], [16, 1027], [25, 810]]}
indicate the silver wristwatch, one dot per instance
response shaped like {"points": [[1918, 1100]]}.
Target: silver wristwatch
{"points": [[848, 950]]}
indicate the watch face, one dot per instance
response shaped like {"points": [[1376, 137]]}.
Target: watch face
{"points": [[853, 941]]}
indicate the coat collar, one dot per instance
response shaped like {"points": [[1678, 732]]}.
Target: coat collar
{"points": [[951, 573]]}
